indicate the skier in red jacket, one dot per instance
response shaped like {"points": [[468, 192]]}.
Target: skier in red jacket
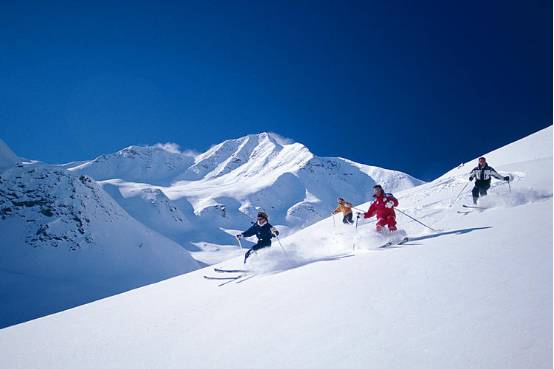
{"points": [[383, 208]]}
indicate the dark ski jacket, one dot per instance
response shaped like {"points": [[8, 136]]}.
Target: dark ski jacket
{"points": [[262, 232], [484, 174]]}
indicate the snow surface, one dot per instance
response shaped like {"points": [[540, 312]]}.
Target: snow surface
{"points": [[476, 293], [66, 242], [199, 198]]}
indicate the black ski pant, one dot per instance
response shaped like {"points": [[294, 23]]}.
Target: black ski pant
{"points": [[480, 189], [260, 245], [347, 219]]}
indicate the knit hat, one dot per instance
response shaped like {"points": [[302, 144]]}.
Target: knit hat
{"points": [[262, 214]]}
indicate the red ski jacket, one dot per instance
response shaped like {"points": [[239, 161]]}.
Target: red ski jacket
{"points": [[378, 207]]}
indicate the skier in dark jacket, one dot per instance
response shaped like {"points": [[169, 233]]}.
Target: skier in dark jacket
{"points": [[483, 174], [263, 230]]}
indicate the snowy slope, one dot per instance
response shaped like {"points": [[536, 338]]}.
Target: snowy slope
{"points": [[535, 147], [158, 163], [7, 156], [65, 242], [224, 187], [173, 219], [475, 294]]}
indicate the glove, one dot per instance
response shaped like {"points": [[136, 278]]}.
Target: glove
{"points": [[238, 236], [507, 178], [389, 204], [471, 178], [275, 231]]}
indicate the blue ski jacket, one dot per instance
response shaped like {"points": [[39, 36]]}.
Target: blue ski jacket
{"points": [[262, 232]]}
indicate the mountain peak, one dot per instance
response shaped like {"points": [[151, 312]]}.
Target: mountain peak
{"points": [[7, 156], [275, 138], [264, 136], [169, 147]]}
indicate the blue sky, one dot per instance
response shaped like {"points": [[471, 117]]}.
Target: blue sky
{"points": [[411, 85]]}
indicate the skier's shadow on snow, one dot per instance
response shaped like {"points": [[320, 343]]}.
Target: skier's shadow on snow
{"points": [[298, 263], [440, 234]]}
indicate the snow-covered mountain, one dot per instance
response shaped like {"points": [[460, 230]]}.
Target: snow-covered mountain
{"points": [[65, 242], [476, 293], [158, 164], [7, 156], [68, 239], [201, 197]]}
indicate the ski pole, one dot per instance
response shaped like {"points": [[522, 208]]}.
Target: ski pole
{"points": [[355, 232], [509, 180], [240, 244], [457, 197], [280, 244], [509, 185], [334, 222], [409, 216]]}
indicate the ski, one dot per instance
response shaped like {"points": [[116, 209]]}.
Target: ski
{"points": [[230, 270], [237, 279], [222, 278], [386, 245], [473, 207], [391, 243], [464, 212], [246, 277]]}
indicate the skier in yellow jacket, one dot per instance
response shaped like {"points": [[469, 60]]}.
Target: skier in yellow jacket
{"points": [[346, 209]]}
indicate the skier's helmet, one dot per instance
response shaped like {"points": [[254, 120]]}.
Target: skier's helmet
{"points": [[262, 215]]}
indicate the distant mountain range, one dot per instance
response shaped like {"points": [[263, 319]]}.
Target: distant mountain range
{"points": [[81, 231], [256, 172]]}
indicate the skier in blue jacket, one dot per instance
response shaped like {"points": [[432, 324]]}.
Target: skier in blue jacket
{"points": [[263, 230]]}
